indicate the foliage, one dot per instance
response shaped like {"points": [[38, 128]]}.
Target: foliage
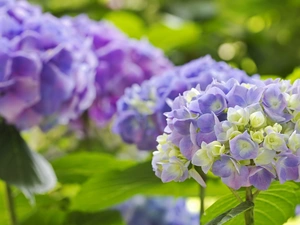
{"points": [[273, 206]]}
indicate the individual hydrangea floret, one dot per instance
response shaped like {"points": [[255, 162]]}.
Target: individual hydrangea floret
{"points": [[47, 72], [122, 62], [157, 210], [252, 141], [140, 111]]}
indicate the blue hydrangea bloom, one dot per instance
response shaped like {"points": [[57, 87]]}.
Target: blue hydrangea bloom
{"points": [[253, 140], [121, 62], [157, 211], [140, 111], [47, 72]]}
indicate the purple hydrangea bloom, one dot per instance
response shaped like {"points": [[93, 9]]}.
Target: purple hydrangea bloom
{"points": [[47, 71], [122, 62], [146, 104], [252, 141], [157, 211]]}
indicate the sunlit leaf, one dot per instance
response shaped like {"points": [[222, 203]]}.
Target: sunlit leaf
{"points": [[294, 75], [273, 206], [168, 37], [76, 168], [112, 187], [265, 77], [45, 217], [127, 22]]}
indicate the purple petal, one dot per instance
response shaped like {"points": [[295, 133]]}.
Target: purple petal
{"points": [[260, 178], [26, 66], [55, 89], [287, 168], [206, 123], [237, 180], [182, 126], [4, 66], [242, 147], [187, 148], [223, 167]]}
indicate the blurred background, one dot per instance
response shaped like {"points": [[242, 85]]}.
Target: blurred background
{"points": [[256, 36]]}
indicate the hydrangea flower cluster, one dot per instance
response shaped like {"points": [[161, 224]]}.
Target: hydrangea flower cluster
{"points": [[46, 73], [121, 62], [140, 111], [157, 211], [246, 134]]}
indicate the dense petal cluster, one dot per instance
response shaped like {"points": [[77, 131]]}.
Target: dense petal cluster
{"points": [[140, 111], [157, 211], [246, 134], [46, 73], [121, 62]]}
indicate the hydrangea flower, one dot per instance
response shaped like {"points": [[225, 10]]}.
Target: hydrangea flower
{"points": [[121, 62], [252, 140], [47, 72], [140, 111], [297, 210], [157, 211]]}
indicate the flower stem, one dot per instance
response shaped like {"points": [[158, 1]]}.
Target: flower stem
{"points": [[235, 194], [255, 194], [11, 206], [249, 214], [202, 192], [202, 196]]}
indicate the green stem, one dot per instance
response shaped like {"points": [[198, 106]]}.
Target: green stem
{"points": [[249, 214], [236, 194], [202, 192], [202, 196], [11, 206], [86, 131], [255, 194]]}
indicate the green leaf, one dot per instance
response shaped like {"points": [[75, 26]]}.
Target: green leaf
{"points": [[108, 188], [45, 217], [24, 209], [294, 75], [230, 214], [169, 37], [78, 167], [273, 206], [109, 217], [20, 166], [129, 23], [265, 77]]}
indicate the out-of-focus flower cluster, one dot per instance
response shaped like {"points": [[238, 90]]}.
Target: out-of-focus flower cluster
{"points": [[157, 211], [246, 134], [121, 62], [47, 71], [140, 111]]}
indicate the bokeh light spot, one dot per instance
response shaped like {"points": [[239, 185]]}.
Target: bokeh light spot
{"points": [[248, 65], [226, 51], [256, 24]]}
